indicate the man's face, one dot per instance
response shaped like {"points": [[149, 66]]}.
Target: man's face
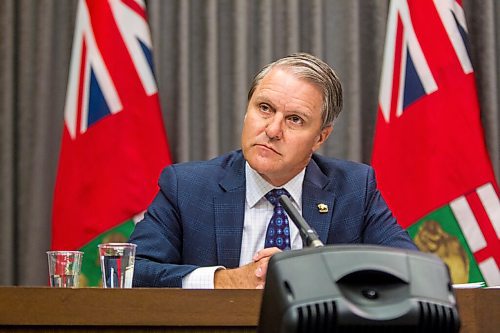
{"points": [[282, 126]]}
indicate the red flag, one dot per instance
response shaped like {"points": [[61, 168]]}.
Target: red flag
{"points": [[429, 152], [114, 144]]}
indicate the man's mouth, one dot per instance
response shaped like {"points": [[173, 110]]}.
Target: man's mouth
{"points": [[267, 147]]}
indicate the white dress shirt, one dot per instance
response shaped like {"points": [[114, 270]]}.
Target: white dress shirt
{"points": [[258, 213]]}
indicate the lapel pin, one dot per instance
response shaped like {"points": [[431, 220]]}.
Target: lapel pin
{"points": [[322, 208]]}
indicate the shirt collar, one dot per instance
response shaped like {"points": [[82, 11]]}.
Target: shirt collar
{"points": [[257, 187]]}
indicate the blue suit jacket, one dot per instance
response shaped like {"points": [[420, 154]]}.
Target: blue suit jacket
{"points": [[196, 219]]}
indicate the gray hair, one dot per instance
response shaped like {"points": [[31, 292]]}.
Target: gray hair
{"points": [[314, 70]]}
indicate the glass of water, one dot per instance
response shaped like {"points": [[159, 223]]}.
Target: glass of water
{"points": [[64, 268], [117, 264]]}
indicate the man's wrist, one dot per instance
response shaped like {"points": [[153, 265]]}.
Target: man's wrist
{"points": [[223, 279], [201, 278]]}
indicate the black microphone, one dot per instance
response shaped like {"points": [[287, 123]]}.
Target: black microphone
{"points": [[309, 236]]}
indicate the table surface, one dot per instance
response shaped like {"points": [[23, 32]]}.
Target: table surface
{"points": [[153, 307]]}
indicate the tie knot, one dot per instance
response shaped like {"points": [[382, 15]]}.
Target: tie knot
{"points": [[274, 195]]}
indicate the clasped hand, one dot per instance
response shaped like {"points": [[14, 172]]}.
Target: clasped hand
{"points": [[249, 276]]}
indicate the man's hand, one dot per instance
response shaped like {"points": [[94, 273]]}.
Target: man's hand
{"points": [[250, 276]]}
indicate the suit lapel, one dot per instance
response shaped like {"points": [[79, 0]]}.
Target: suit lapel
{"points": [[229, 211], [314, 194]]}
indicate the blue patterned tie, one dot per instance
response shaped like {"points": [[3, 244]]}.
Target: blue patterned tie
{"points": [[278, 231]]}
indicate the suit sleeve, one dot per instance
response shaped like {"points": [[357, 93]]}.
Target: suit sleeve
{"points": [[380, 225], [158, 237]]}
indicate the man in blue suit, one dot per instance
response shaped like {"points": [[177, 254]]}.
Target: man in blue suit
{"points": [[215, 224]]}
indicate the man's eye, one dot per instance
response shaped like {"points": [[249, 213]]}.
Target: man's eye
{"points": [[296, 120], [264, 107]]}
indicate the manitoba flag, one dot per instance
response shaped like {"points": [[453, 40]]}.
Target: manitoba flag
{"points": [[114, 144], [429, 153]]}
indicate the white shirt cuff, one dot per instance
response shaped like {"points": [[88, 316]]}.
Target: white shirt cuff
{"points": [[200, 278]]}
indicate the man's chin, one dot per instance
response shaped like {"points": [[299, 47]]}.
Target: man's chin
{"points": [[264, 166]]}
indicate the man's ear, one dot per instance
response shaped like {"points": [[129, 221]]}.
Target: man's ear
{"points": [[323, 135]]}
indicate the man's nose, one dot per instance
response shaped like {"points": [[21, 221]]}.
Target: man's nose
{"points": [[274, 127]]}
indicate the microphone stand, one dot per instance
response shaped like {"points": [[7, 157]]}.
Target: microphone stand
{"points": [[309, 236]]}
